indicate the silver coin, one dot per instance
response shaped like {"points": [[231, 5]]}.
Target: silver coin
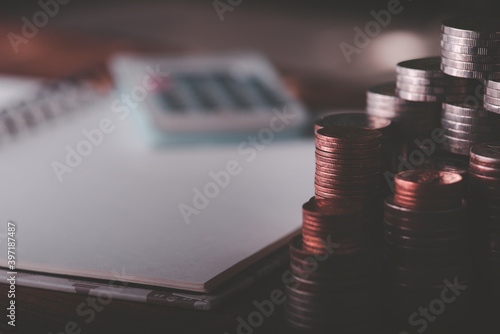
{"points": [[492, 100], [470, 41], [400, 116], [422, 67], [492, 92], [459, 142], [466, 119], [408, 112], [420, 97], [470, 136], [461, 65], [461, 109], [464, 73], [472, 27], [490, 107], [434, 90], [447, 124], [470, 58], [444, 82], [470, 50], [493, 84], [456, 149]]}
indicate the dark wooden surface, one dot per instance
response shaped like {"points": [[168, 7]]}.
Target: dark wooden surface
{"points": [[41, 311]]}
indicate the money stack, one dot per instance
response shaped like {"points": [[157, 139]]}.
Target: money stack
{"points": [[465, 126], [347, 163], [364, 120], [470, 47], [335, 276], [411, 119], [422, 80], [426, 247], [484, 196], [492, 96]]}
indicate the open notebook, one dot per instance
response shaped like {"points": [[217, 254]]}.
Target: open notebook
{"points": [[116, 215]]}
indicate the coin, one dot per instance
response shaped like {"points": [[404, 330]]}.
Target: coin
{"points": [[486, 154], [470, 58], [422, 67], [491, 107], [472, 27], [447, 124], [470, 50], [492, 83], [436, 82], [492, 92], [470, 41], [465, 73], [434, 90], [471, 136], [348, 134], [354, 119], [461, 65]]}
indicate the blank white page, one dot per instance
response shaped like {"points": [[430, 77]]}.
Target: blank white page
{"points": [[118, 211]]}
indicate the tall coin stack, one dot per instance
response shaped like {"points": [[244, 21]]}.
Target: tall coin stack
{"points": [[348, 166], [492, 96], [347, 163], [384, 126], [363, 120], [411, 119], [484, 196], [335, 276], [470, 47], [426, 248], [464, 126], [422, 80]]}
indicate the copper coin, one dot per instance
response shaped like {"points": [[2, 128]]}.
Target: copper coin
{"points": [[348, 135], [339, 148], [426, 204], [351, 155], [354, 119], [425, 181], [486, 154], [484, 170]]}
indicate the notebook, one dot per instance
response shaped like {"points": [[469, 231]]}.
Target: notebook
{"points": [[108, 206]]}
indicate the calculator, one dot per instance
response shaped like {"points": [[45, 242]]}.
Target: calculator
{"points": [[196, 98]]}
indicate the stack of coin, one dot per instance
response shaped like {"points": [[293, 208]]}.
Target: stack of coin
{"points": [[347, 163], [492, 96], [364, 120], [411, 119], [465, 126], [484, 196], [422, 80], [426, 247], [470, 47], [335, 279]]}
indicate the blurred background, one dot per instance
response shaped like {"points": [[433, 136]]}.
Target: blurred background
{"points": [[303, 39]]}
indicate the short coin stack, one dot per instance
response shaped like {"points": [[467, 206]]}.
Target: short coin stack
{"points": [[426, 246], [364, 120], [411, 119], [422, 80], [465, 126], [347, 163], [335, 275], [492, 96], [470, 47], [484, 196]]}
